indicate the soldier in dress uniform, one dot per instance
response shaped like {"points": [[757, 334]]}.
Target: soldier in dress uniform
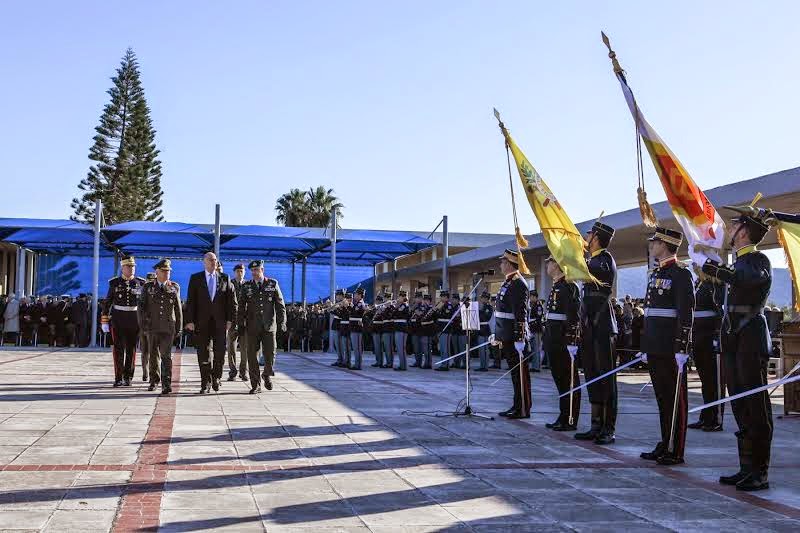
{"points": [[598, 329], [357, 328], [417, 311], [560, 331], [746, 347], [709, 294], [485, 313], [387, 331], [512, 332], [263, 313], [400, 325], [458, 337], [376, 326], [668, 309], [427, 328], [342, 313], [161, 317], [535, 323], [121, 319], [144, 345], [237, 332], [443, 312], [336, 335]]}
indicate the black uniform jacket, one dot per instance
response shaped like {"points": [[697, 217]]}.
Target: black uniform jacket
{"points": [[668, 312], [561, 318], [596, 310], [708, 300], [511, 313], [123, 293]]}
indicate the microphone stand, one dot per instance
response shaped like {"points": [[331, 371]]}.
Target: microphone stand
{"points": [[467, 411]]}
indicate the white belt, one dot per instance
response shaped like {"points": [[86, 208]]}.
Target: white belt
{"points": [[705, 314], [427, 323], [661, 313], [484, 323], [555, 316], [400, 320], [377, 322], [356, 319], [443, 320], [503, 314], [343, 321], [125, 307]]}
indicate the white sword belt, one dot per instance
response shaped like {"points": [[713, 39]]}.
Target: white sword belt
{"points": [[661, 313], [125, 307], [443, 320], [484, 323], [705, 314], [427, 323], [400, 320], [503, 314], [356, 319], [555, 316]]}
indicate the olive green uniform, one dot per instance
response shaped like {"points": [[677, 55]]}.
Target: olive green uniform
{"points": [[262, 312], [161, 318]]}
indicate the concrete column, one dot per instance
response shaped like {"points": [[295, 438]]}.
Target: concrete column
{"points": [[20, 272]]}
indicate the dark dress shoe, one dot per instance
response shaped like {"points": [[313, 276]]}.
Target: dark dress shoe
{"points": [[127, 382], [255, 390], [586, 435], [551, 425], [442, 368], [669, 460], [245, 378], [657, 452], [202, 389], [753, 482], [118, 383], [145, 378], [712, 427], [734, 479], [376, 365], [516, 415], [605, 438], [401, 369], [152, 387], [231, 377], [166, 391], [336, 363], [695, 425], [564, 427], [215, 384], [506, 412], [268, 383]]}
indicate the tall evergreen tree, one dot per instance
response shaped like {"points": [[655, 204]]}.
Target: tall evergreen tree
{"points": [[126, 175]]}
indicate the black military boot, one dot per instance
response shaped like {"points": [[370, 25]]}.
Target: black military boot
{"points": [[755, 481], [594, 430], [745, 462], [657, 452]]}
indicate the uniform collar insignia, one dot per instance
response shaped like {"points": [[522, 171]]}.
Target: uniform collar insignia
{"points": [[744, 250], [598, 252], [668, 261], [512, 275]]}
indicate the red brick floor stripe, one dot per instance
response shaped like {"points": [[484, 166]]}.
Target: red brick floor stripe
{"points": [[140, 507]]}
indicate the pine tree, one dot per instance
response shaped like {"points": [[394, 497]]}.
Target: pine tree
{"points": [[126, 175]]}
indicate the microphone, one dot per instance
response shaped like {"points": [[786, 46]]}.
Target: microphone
{"points": [[489, 272]]}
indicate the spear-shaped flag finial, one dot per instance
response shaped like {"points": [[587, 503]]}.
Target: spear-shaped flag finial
{"points": [[612, 54]]}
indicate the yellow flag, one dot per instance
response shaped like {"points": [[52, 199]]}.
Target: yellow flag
{"points": [[789, 236], [563, 239]]}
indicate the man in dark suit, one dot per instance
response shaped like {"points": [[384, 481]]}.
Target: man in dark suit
{"points": [[210, 311], [79, 316]]}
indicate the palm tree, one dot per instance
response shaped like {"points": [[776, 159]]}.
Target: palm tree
{"points": [[292, 209], [320, 203]]}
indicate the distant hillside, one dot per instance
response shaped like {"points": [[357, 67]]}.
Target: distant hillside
{"points": [[634, 280]]}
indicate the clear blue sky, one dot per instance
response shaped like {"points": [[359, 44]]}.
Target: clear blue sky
{"points": [[391, 103]]}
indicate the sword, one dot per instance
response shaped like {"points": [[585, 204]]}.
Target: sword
{"points": [[609, 373], [572, 349], [646, 385], [681, 367], [784, 381], [792, 371], [490, 341], [510, 370], [720, 412]]}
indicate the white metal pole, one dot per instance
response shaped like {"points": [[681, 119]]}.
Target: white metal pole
{"points": [[20, 272], [216, 231], [333, 275], [98, 214], [445, 253]]}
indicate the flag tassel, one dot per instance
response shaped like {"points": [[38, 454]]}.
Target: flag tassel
{"points": [[645, 209]]}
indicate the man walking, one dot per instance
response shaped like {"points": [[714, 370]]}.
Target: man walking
{"points": [[161, 317], [121, 306], [210, 311], [263, 311], [236, 332]]}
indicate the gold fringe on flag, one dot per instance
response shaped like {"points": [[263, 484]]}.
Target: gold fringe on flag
{"points": [[645, 209]]}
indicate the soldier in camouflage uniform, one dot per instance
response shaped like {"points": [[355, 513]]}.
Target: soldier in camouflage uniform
{"points": [[161, 316], [237, 332], [144, 345], [263, 312]]}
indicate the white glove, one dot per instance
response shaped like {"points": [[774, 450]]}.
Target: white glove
{"points": [[573, 350], [681, 359], [519, 346], [283, 327], [105, 328], [643, 356]]}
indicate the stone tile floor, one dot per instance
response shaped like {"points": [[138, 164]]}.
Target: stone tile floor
{"points": [[336, 450]]}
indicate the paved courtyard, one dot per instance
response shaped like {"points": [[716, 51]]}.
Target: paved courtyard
{"points": [[335, 450]]}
